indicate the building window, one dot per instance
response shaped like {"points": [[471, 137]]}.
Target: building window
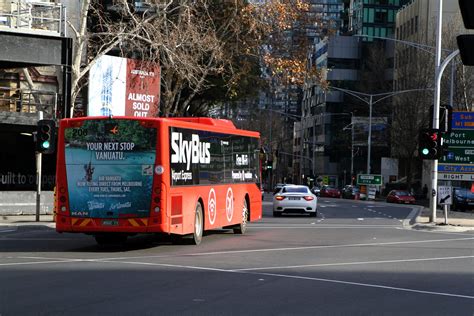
{"points": [[381, 16]]}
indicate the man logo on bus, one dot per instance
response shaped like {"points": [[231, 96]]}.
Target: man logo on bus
{"points": [[211, 206], [229, 204], [193, 151]]}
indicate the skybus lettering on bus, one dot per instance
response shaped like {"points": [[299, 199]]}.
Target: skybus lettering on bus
{"points": [[176, 178]]}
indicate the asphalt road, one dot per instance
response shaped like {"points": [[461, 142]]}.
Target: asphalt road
{"points": [[355, 258]]}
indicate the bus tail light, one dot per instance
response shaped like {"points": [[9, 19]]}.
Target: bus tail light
{"points": [[279, 197], [62, 200]]}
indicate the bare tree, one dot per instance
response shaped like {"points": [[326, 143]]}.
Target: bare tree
{"points": [[192, 41]]}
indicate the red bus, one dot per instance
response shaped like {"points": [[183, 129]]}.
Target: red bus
{"points": [[121, 176]]}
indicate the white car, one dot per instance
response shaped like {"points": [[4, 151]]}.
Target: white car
{"points": [[295, 199]]}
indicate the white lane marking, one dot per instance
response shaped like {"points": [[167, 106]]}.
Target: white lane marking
{"points": [[366, 285], [329, 225], [353, 263], [8, 231], [278, 275], [38, 262], [259, 250], [166, 265], [6, 238], [292, 248], [360, 219]]}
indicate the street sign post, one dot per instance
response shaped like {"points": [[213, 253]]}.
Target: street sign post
{"points": [[445, 195], [369, 179]]}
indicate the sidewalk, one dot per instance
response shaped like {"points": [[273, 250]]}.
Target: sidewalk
{"points": [[27, 220], [457, 221]]}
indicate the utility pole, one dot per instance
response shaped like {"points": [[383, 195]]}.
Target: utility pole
{"points": [[435, 125]]}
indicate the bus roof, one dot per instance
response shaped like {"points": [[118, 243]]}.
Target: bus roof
{"points": [[223, 125], [206, 120]]}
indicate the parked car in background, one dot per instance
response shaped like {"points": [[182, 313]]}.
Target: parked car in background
{"points": [[350, 192], [400, 196], [295, 199], [316, 190], [463, 199], [329, 191]]}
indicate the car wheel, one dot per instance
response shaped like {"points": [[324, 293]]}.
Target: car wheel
{"points": [[242, 227], [315, 214], [198, 225], [276, 214]]}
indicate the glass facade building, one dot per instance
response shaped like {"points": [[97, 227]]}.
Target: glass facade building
{"points": [[374, 17]]}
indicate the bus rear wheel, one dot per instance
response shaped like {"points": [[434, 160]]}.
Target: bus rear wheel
{"points": [[242, 227], [198, 225]]}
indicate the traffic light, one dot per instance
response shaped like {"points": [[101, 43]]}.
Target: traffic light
{"points": [[269, 164], [445, 117], [46, 137], [466, 41], [430, 144]]}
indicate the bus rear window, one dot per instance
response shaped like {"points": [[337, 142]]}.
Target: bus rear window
{"points": [[109, 167]]}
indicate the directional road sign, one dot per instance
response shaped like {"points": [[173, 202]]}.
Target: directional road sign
{"points": [[458, 162], [373, 179], [463, 120], [445, 195]]}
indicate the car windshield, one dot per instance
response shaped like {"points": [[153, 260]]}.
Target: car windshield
{"points": [[295, 190], [464, 192], [402, 193]]}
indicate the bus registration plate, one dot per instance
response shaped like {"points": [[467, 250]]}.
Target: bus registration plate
{"points": [[110, 222]]}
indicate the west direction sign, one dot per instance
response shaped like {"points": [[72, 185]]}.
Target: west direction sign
{"points": [[459, 155], [369, 179]]}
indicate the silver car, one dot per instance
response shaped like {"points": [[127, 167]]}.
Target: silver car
{"points": [[295, 199]]}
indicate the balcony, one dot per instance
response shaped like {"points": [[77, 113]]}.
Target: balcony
{"points": [[19, 106], [42, 18]]}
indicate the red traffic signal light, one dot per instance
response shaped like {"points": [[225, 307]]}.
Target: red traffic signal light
{"points": [[429, 144]]}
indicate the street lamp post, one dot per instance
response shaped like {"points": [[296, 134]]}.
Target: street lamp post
{"points": [[369, 99]]}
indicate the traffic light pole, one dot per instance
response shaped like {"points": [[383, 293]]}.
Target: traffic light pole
{"points": [[38, 175], [439, 69], [437, 97]]}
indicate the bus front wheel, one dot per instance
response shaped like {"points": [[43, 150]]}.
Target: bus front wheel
{"points": [[242, 227], [198, 225]]}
